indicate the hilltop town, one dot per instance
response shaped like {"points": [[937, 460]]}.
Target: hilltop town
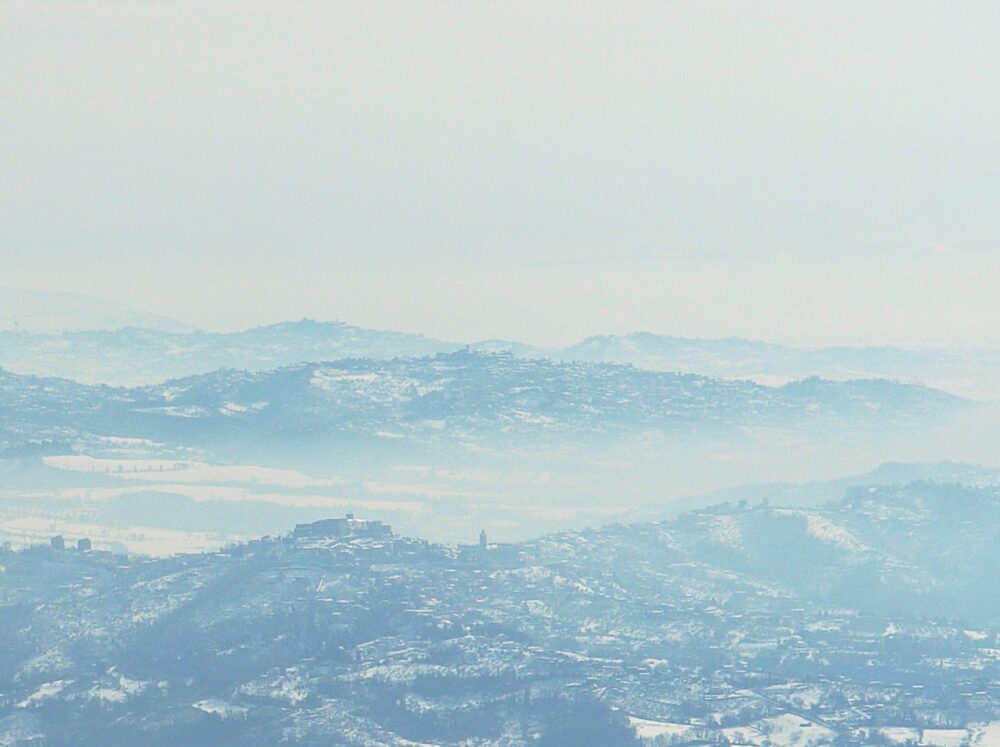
{"points": [[692, 632]]}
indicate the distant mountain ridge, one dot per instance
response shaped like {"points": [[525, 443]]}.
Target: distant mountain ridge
{"points": [[50, 313], [815, 493], [973, 373], [134, 355], [461, 395]]}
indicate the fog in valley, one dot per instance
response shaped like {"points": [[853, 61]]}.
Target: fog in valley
{"points": [[499, 375]]}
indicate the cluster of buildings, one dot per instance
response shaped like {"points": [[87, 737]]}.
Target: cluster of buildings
{"points": [[346, 527], [82, 545]]}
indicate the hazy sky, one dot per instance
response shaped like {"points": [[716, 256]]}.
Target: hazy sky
{"points": [[801, 172]]}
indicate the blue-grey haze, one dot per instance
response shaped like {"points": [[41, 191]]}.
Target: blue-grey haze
{"points": [[670, 415], [802, 172]]}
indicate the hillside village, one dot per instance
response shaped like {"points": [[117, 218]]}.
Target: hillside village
{"points": [[683, 633]]}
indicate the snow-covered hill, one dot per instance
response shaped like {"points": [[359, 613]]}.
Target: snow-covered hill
{"points": [[859, 623]]}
